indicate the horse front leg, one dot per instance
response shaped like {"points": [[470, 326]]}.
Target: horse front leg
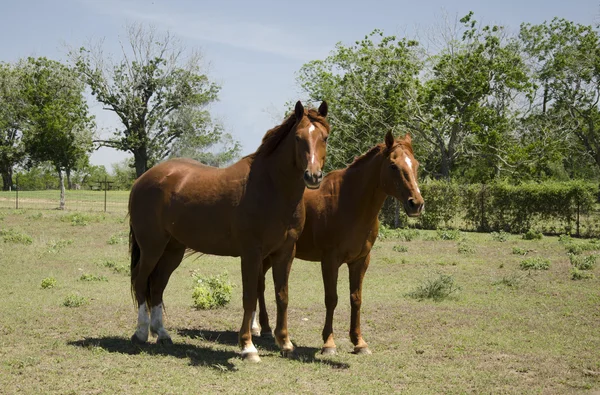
{"points": [[282, 263], [251, 267], [329, 270], [356, 270], [262, 327]]}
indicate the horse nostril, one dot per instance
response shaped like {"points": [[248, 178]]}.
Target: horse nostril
{"points": [[411, 203], [307, 175], [319, 175]]}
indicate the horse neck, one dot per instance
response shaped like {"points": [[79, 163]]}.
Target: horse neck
{"points": [[363, 191], [284, 174]]}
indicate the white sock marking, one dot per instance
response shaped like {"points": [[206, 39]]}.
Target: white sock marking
{"points": [[255, 325], [156, 322], [249, 349], [143, 323]]}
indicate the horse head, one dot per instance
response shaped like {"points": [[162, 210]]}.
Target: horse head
{"points": [[311, 132]]}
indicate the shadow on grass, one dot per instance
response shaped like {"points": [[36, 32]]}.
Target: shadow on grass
{"points": [[230, 338], [198, 355]]}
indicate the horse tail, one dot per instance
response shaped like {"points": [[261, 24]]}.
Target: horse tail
{"points": [[136, 253]]}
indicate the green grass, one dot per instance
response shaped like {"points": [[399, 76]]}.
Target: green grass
{"points": [[541, 336], [535, 263]]}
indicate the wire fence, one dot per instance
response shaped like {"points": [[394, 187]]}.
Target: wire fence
{"points": [[80, 200]]}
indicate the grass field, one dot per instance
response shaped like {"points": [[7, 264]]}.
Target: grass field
{"points": [[506, 330], [86, 200]]}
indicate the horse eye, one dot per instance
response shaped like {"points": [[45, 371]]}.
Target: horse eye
{"points": [[325, 138], [393, 166], [297, 138]]}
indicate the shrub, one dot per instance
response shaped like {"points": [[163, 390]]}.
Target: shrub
{"points": [[583, 262], [532, 235], [48, 282], [464, 247], [438, 288], [577, 274], [212, 291], [448, 234], [535, 263], [12, 236], [92, 277], [499, 236], [400, 248], [73, 300], [520, 251]]}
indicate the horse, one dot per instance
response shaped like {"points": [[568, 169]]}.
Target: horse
{"points": [[342, 226], [253, 209]]}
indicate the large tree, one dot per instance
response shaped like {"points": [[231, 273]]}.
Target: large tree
{"points": [[150, 89], [12, 117], [566, 61], [58, 128]]}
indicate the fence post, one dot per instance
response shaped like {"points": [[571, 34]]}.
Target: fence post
{"points": [[482, 224], [17, 190], [577, 220], [105, 189]]}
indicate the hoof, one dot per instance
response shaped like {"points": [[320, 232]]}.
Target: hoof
{"points": [[328, 351], [136, 340], [165, 341], [362, 351], [251, 357]]}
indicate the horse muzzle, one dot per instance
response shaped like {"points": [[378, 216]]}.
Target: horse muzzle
{"points": [[313, 180], [414, 206]]}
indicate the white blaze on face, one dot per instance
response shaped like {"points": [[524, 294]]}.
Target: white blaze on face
{"points": [[311, 129], [409, 164]]}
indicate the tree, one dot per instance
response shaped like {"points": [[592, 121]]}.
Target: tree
{"points": [[59, 127], [205, 141], [150, 90], [12, 116], [566, 61]]}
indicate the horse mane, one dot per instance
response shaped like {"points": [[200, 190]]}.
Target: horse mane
{"points": [[276, 135], [359, 160]]}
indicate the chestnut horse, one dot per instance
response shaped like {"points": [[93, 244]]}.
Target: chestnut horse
{"points": [[342, 226], [253, 209]]}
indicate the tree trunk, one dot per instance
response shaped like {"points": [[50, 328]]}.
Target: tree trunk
{"points": [[61, 180], [7, 173], [140, 158], [445, 166], [69, 183]]}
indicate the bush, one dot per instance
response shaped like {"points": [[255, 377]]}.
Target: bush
{"points": [[448, 234], [535, 263], [442, 204], [532, 235], [386, 233], [519, 251], [499, 236], [73, 300], [212, 291], [435, 288], [12, 236], [48, 282], [583, 262], [577, 274]]}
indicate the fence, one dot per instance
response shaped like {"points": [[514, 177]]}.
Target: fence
{"points": [[101, 199]]}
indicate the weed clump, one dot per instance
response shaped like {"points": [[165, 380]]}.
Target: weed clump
{"points": [[501, 236], [532, 234], [48, 282], [92, 277], [12, 236], [74, 300], [212, 291], [400, 248], [535, 263], [438, 288]]}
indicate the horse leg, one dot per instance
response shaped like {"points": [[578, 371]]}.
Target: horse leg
{"points": [[263, 329], [329, 270], [168, 262], [140, 273], [282, 263], [251, 264], [357, 271]]}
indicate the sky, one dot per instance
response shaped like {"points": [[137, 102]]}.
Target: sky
{"points": [[252, 49]]}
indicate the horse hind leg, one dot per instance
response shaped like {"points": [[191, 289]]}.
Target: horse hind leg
{"points": [[140, 273], [168, 262]]}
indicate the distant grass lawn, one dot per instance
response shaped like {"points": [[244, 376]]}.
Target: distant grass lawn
{"points": [[505, 329], [75, 200]]}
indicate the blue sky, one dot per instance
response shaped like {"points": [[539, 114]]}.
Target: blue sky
{"points": [[252, 48]]}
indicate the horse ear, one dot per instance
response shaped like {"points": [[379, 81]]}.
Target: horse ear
{"points": [[299, 110], [407, 138], [389, 140], [323, 109]]}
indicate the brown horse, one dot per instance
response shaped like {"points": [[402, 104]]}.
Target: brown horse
{"points": [[342, 226], [253, 209]]}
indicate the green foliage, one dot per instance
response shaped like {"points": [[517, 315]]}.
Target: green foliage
{"points": [[400, 248], [499, 236], [438, 288], [535, 263], [577, 247], [532, 234], [465, 247], [37, 178], [212, 291], [48, 282], [74, 300], [116, 267], [448, 234], [13, 236], [581, 262], [520, 251], [81, 219], [93, 277], [54, 247], [578, 274], [119, 238], [386, 233]]}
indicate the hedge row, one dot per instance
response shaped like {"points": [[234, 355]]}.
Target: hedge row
{"points": [[551, 207]]}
